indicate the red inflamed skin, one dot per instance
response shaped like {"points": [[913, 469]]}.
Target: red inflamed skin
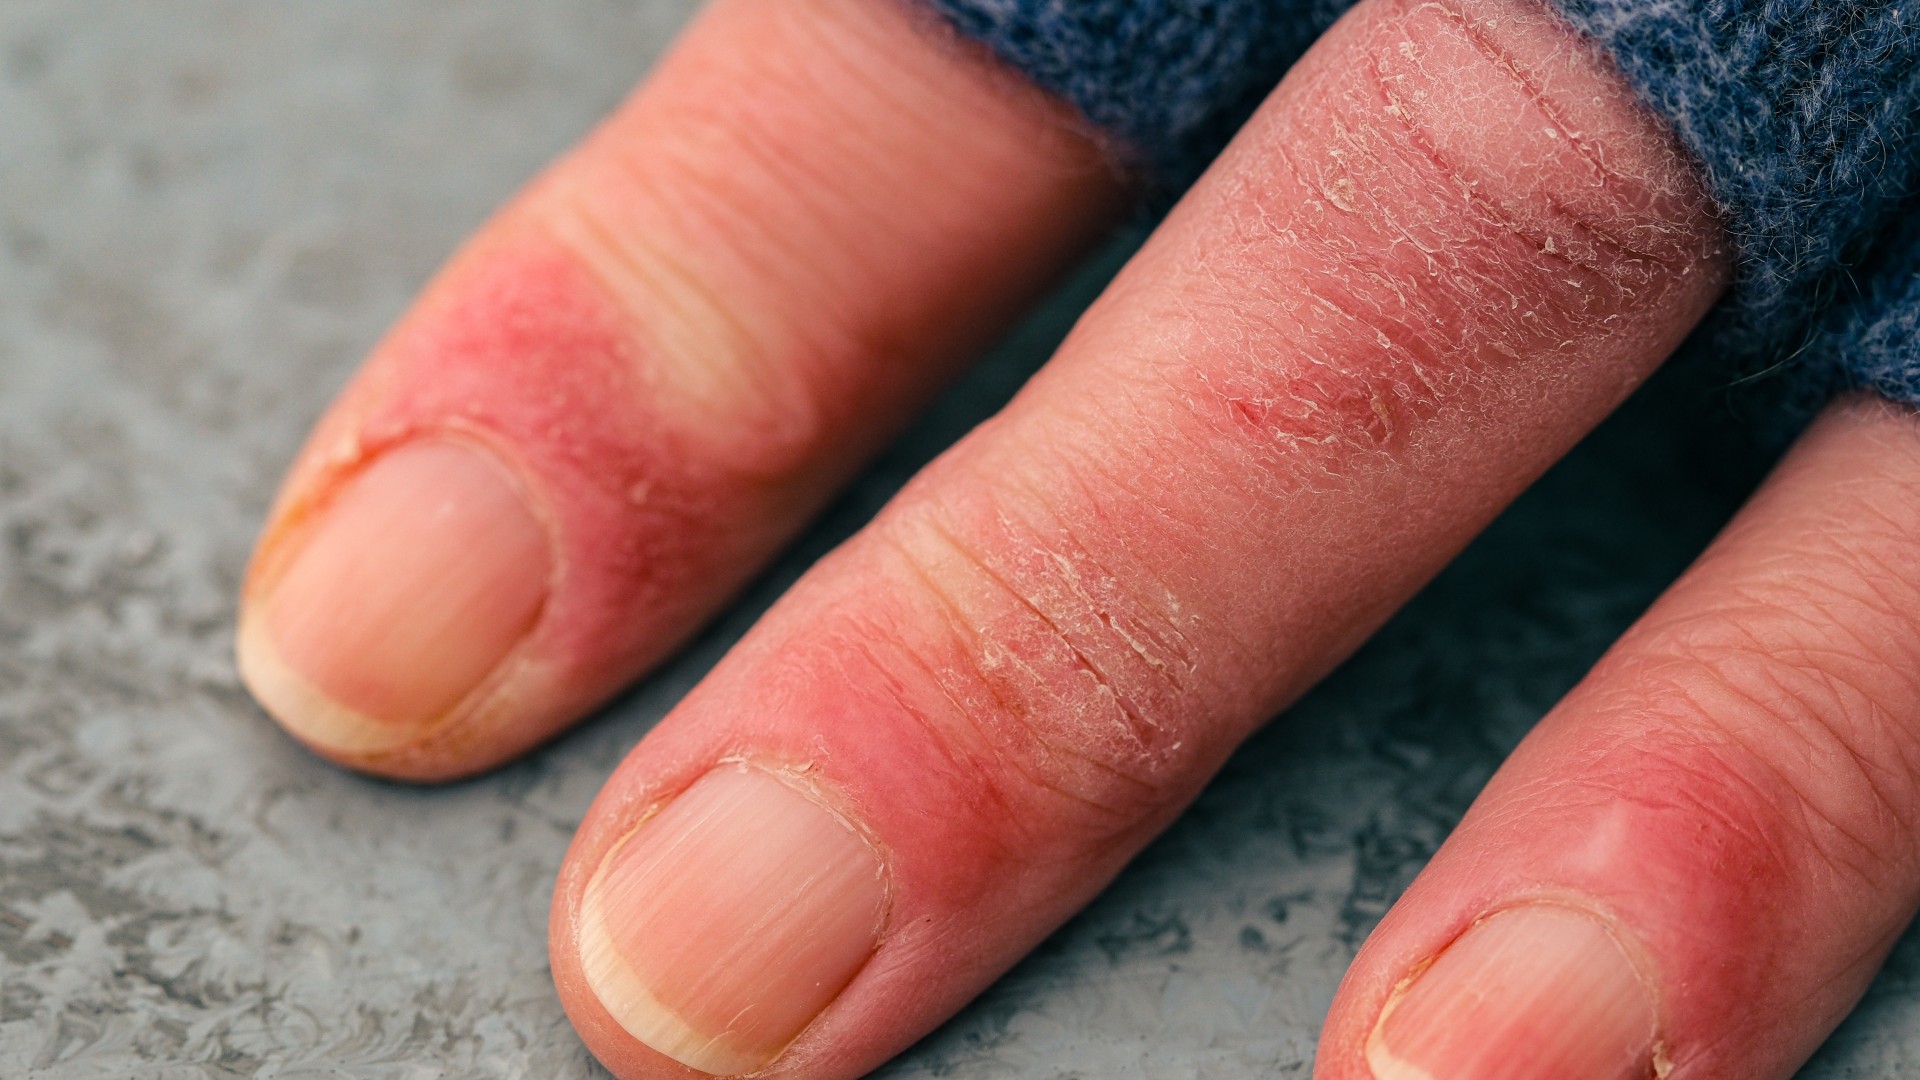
{"points": [[654, 366], [1445, 247], [1399, 296]]}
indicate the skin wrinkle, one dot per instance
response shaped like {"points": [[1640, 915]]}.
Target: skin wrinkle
{"points": [[1817, 822], [1843, 592], [1878, 577], [1136, 747], [637, 266], [788, 255], [1704, 712], [1757, 617], [1486, 208], [1182, 658], [755, 372], [918, 110], [1673, 782], [1670, 255], [1253, 406], [860, 643], [1142, 727], [793, 385], [1026, 764], [1625, 253], [1137, 721], [1091, 476], [1865, 501], [859, 65], [704, 196], [1872, 595], [1148, 613], [1840, 730], [1319, 361], [1410, 373], [855, 88]]}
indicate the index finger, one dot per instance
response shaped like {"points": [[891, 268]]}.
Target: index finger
{"points": [[638, 380]]}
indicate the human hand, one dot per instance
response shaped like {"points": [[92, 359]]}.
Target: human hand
{"points": [[1439, 254]]}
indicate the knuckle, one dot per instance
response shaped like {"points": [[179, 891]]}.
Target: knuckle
{"points": [[1700, 797], [1805, 736], [1074, 681], [673, 247]]}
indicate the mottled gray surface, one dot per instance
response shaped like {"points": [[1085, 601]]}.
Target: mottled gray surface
{"points": [[208, 209]]}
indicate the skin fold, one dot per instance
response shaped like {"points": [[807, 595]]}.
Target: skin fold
{"points": [[677, 344], [1444, 248], [1733, 789], [1292, 407]]}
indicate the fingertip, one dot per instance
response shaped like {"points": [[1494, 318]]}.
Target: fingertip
{"points": [[1537, 990], [1717, 795], [320, 723], [717, 930], [681, 339], [387, 607]]}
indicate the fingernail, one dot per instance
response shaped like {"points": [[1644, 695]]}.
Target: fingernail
{"points": [[1542, 992], [422, 573], [718, 930]]}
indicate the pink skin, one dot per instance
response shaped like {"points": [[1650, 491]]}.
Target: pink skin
{"points": [[1440, 253], [1736, 786], [670, 446], [514, 350], [1038, 653]]}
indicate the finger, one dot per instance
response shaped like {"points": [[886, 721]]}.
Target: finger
{"points": [[647, 371], [1694, 865], [1442, 250]]}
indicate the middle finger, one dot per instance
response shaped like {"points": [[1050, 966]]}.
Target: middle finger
{"points": [[1444, 249]]}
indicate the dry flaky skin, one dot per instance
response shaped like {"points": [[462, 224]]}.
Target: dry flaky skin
{"points": [[685, 336], [186, 893], [1447, 247], [1376, 321]]}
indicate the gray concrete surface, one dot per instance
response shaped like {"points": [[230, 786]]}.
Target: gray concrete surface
{"points": [[208, 209]]}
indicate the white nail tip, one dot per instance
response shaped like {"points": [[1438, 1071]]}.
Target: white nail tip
{"points": [[640, 1014], [306, 713]]}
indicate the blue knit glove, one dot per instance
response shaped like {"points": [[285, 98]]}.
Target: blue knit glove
{"points": [[1803, 114]]}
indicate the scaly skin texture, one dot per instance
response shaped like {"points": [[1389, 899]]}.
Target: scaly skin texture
{"points": [[692, 329], [1403, 292]]}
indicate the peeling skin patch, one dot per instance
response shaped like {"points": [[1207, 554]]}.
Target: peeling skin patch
{"points": [[184, 894], [1340, 192]]}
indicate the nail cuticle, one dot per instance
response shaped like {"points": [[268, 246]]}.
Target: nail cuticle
{"points": [[1546, 987]]}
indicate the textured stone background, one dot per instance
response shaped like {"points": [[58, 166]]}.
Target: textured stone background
{"points": [[208, 210]]}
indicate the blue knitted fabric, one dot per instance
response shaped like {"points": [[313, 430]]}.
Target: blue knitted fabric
{"points": [[1171, 80], [1803, 114], [1805, 118]]}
